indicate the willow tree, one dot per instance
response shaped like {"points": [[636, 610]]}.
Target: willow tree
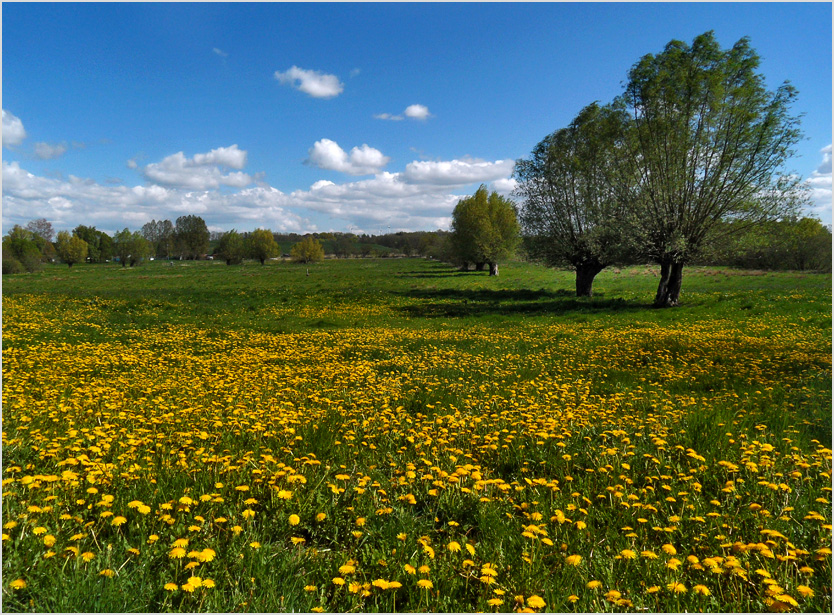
{"points": [[710, 143], [484, 229], [576, 193]]}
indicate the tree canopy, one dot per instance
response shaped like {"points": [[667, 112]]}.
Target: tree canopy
{"points": [[484, 229], [709, 143], [261, 245], [576, 195], [308, 250]]}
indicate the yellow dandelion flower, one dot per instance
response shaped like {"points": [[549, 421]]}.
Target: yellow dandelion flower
{"points": [[180, 542], [410, 569], [310, 588], [39, 530], [188, 587], [284, 494], [495, 602], [593, 584], [208, 583], [255, 545], [701, 589], [424, 569], [536, 602], [628, 554], [171, 587], [177, 553], [321, 517], [87, 556], [117, 521], [338, 581], [678, 588], [294, 519], [453, 546], [425, 584], [347, 569], [107, 572], [669, 549], [573, 560], [49, 540], [18, 584]]}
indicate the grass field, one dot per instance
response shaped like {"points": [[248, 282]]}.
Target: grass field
{"points": [[395, 435]]}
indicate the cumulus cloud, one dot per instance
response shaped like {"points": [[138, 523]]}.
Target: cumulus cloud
{"points": [[312, 82], [48, 151], [13, 132], [414, 112], [819, 184], [202, 172], [456, 172], [417, 112], [364, 160]]}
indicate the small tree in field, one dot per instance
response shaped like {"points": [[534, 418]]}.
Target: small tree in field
{"points": [[308, 250], [71, 249], [231, 248], [261, 245], [484, 229]]}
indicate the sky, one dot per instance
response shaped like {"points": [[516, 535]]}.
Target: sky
{"points": [[366, 118]]}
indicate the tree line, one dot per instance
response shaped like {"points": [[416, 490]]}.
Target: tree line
{"points": [[687, 165]]}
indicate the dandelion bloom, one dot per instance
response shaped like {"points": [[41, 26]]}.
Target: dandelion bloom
{"points": [[49, 540], [208, 583], [653, 589], [188, 587], [171, 587], [117, 521], [18, 584], [424, 569], [453, 546], [701, 589], [573, 560], [338, 581], [180, 542], [177, 553], [310, 588], [284, 494], [410, 569], [394, 585], [573, 598], [628, 554], [255, 545], [380, 583], [612, 595], [248, 513], [495, 602], [805, 591], [347, 569], [87, 556], [294, 519], [195, 581], [536, 602], [593, 584], [321, 517], [678, 588], [425, 584], [669, 549], [297, 540], [649, 554]]}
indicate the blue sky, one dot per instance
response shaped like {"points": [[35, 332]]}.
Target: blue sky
{"points": [[344, 117]]}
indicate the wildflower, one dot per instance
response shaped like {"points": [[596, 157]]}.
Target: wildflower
{"points": [[573, 598], [380, 583], [310, 588], [152, 539], [347, 569], [423, 569], [321, 517], [297, 540], [18, 584], [612, 595], [628, 554], [453, 546], [678, 588], [495, 602], [805, 591], [653, 589], [536, 602], [177, 553], [649, 554], [180, 542], [425, 584], [338, 581], [593, 584], [573, 560], [49, 540], [294, 520], [107, 572], [195, 581], [284, 494], [117, 521], [248, 513], [208, 583], [410, 569], [701, 589], [255, 545], [39, 530], [171, 587], [188, 587], [87, 556], [669, 549]]}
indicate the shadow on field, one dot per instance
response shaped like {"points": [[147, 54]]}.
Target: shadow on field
{"points": [[481, 302]]}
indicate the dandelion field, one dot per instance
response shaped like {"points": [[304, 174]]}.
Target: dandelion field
{"points": [[394, 435]]}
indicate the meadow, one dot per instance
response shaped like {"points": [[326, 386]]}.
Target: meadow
{"points": [[396, 435]]}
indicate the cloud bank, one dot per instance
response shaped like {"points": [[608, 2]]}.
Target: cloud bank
{"points": [[414, 112], [819, 184], [364, 160]]}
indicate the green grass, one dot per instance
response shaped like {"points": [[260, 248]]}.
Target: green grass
{"points": [[173, 379]]}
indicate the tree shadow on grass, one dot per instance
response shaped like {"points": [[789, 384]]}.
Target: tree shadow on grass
{"points": [[451, 303]]}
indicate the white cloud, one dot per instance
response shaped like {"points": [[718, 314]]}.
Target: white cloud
{"points": [[417, 112], [68, 203], [47, 151], [457, 172], [13, 132], [203, 172], [220, 52], [414, 112], [505, 186], [364, 160], [312, 82], [819, 184]]}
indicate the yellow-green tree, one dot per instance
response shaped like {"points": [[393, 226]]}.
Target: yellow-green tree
{"points": [[308, 250], [261, 245], [71, 249]]}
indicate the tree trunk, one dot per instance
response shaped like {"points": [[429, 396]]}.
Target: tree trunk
{"points": [[585, 275], [493, 269], [669, 288], [70, 265], [480, 266], [262, 261]]}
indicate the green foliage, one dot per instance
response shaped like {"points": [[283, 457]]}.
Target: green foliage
{"points": [[577, 195], [99, 243], [709, 143], [131, 248], [191, 237], [484, 229], [308, 250], [231, 248], [162, 235], [261, 245], [71, 248], [20, 251]]}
